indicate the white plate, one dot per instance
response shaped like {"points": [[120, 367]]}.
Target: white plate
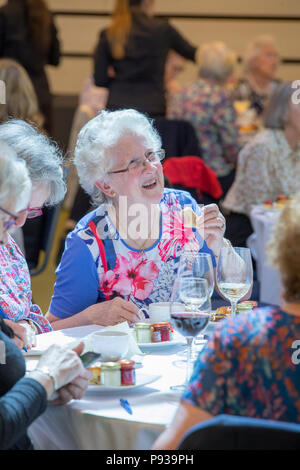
{"points": [[141, 381], [34, 352], [161, 344]]}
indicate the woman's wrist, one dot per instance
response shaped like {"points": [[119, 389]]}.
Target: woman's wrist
{"points": [[44, 378]]}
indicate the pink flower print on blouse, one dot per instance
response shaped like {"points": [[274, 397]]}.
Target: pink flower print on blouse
{"points": [[135, 276], [175, 234], [107, 283]]}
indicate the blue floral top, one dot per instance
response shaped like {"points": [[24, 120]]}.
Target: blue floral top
{"points": [[250, 367], [141, 277]]}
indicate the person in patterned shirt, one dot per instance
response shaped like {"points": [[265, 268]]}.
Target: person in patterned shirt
{"points": [[209, 108], [268, 165], [250, 366], [44, 163], [125, 253]]}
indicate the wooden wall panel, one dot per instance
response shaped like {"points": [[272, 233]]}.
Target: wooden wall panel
{"points": [[216, 7]]}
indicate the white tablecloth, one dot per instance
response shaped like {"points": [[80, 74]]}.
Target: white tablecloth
{"points": [[98, 421], [263, 222]]}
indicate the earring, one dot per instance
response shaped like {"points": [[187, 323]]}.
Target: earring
{"points": [[112, 194]]}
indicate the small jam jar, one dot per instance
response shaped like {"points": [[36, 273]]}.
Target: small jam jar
{"points": [[143, 332], [127, 372], [246, 306], [96, 373], [111, 374], [161, 332]]}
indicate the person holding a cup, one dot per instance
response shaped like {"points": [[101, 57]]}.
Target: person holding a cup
{"points": [[124, 255]]}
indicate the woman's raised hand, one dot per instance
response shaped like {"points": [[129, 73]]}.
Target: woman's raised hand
{"points": [[214, 226]]}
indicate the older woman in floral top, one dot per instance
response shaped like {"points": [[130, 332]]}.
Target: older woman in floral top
{"points": [[43, 161], [268, 165], [250, 366], [209, 108], [125, 253]]}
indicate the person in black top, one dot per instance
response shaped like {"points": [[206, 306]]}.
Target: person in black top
{"points": [[28, 35], [136, 45]]}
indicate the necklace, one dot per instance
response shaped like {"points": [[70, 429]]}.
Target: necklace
{"points": [[123, 232]]}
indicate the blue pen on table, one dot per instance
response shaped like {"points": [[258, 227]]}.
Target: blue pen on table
{"points": [[4, 316], [125, 405]]}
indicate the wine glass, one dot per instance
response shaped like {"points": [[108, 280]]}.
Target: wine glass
{"points": [[191, 293], [234, 274], [195, 264]]}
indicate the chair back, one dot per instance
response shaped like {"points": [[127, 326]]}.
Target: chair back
{"points": [[225, 432]]}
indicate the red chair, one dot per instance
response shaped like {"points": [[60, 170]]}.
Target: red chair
{"points": [[192, 173]]}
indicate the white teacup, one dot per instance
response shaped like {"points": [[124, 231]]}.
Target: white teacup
{"points": [[158, 312], [112, 345]]}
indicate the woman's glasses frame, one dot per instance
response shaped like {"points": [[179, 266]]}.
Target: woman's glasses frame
{"points": [[32, 212], [151, 156]]}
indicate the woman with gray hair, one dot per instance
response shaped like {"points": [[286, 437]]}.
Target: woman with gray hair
{"points": [[24, 398], [44, 163], [208, 107], [269, 165], [261, 61], [124, 255]]}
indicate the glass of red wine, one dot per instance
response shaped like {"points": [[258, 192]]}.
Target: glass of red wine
{"points": [[191, 293]]}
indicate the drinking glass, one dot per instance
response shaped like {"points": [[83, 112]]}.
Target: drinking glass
{"points": [[195, 264], [234, 274], [191, 293]]}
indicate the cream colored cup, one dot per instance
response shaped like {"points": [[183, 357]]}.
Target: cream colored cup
{"points": [[112, 345]]}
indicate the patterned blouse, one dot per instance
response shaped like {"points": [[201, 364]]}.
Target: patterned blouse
{"points": [[15, 288], [258, 100], [141, 277], [250, 367], [210, 110], [267, 166]]}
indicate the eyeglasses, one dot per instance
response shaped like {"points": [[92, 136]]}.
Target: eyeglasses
{"points": [[138, 163], [31, 214], [12, 221]]}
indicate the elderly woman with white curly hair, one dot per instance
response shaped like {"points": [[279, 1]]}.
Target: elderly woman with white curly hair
{"points": [[261, 61], [44, 163], [208, 106], [124, 254]]}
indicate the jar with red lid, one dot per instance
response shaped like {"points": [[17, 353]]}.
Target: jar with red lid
{"points": [[127, 372], [161, 332]]}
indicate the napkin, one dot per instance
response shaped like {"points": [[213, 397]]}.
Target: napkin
{"points": [[133, 349]]}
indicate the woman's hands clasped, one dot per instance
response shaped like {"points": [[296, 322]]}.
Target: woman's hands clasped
{"points": [[61, 370]]}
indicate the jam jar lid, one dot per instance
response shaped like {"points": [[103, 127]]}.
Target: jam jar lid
{"points": [[126, 363], [161, 324], [111, 365], [142, 325]]}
